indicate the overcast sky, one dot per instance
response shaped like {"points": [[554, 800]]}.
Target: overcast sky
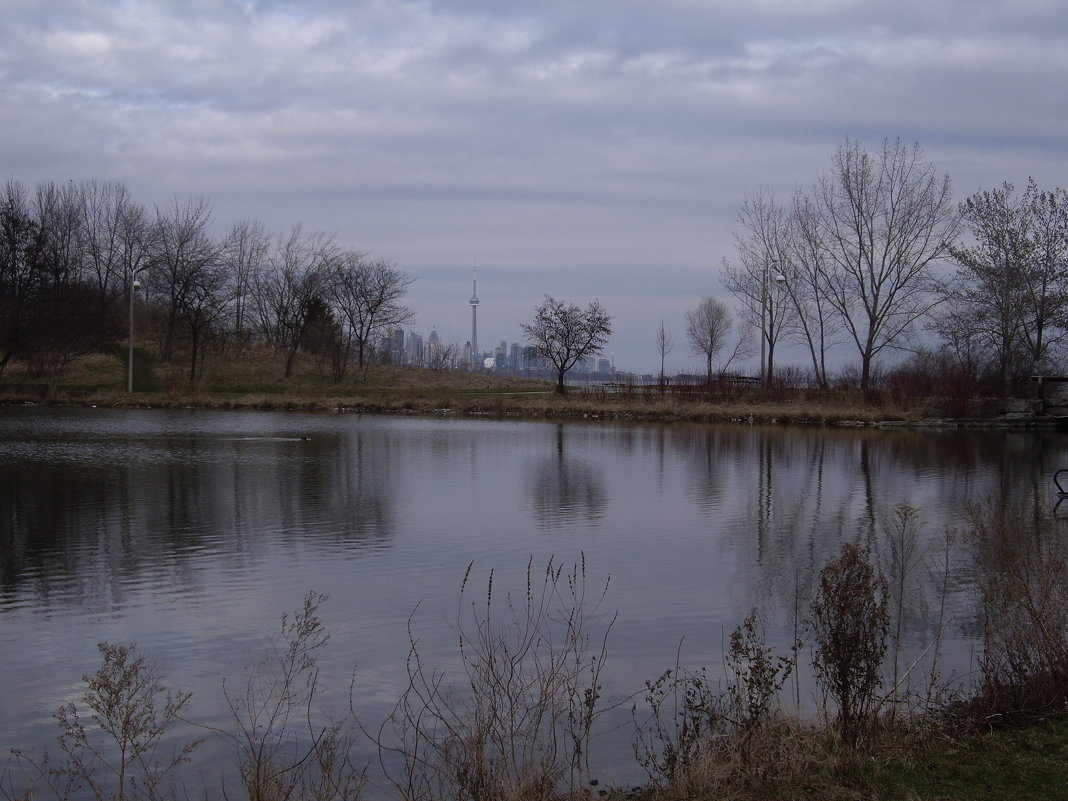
{"points": [[584, 149]]}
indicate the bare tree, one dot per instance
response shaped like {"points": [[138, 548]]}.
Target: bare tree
{"points": [[1009, 298], [204, 308], [743, 344], [985, 301], [57, 208], [367, 299], [244, 253], [66, 321], [764, 240], [564, 333], [883, 223], [299, 269], [136, 242], [19, 279], [105, 209], [1046, 321], [805, 267], [664, 344], [183, 250], [707, 329]]}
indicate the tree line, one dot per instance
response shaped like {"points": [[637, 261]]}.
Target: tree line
{"points": [[72, 255], [857, 258]]}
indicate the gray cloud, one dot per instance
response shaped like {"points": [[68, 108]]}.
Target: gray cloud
{"points": [[593, 149]]}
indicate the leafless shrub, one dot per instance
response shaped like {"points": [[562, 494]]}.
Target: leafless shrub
{"points": [[118, 753], [851, 623], [284, 752], [519, 724], [688, 716], [686, 711], [933, 375], [1022, 576], [756, 674]]}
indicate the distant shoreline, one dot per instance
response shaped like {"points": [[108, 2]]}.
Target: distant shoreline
{"points": [[546, 405], [254, 382]]}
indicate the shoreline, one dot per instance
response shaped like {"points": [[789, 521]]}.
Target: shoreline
{"points": [[549, 406], [252, 383]]}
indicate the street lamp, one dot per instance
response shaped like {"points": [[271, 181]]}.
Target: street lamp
{"points": [[765, 302], [129, 362]]}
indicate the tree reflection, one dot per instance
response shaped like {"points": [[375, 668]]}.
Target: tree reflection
{"points": [[566, 490], [785, 500], [98, 528]]}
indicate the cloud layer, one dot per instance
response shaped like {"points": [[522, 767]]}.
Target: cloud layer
{"points": [[595, 149]]}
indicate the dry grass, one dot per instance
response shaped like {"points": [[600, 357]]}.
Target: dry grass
{"points": [[255, 381], [782, 758], [801, 761]]}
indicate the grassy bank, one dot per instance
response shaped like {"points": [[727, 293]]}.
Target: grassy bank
{"points": [[254, 382], [807, 762], [1028, 762]]}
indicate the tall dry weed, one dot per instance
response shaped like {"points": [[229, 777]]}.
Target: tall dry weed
{"points": [[518, 724], [285, 751], [688, 716], [1021, 560]]}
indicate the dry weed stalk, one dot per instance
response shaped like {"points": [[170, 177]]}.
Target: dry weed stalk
{"points": [[686, 713], [903, 535], [519, 724], [690, 718], [1022, 575], [940, 571], [283, 751]]}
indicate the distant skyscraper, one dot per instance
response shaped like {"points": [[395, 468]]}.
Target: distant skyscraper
{"points": [[413, 348], [474, 320], [433, 351]]}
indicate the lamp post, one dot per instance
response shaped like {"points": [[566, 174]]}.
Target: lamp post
{"points": [[765, 312], [129, 362]]}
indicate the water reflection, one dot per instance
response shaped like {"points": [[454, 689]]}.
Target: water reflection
{"points": [[191, 532], [84, 521], [566, 489]]}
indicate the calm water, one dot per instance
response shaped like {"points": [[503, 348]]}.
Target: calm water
{"points": [[190, 533]]}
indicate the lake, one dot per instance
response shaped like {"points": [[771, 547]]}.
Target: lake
{"points": [[190, 533]]}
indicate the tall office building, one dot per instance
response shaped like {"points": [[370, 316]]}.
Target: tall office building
{"points": [[413, 348], [475, 356], [433, 351]]}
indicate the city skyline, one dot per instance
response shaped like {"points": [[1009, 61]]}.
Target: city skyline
{"points": [[408, 347]]}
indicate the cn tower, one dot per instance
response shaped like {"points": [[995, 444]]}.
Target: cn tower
{"points": [[474, 319]]}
